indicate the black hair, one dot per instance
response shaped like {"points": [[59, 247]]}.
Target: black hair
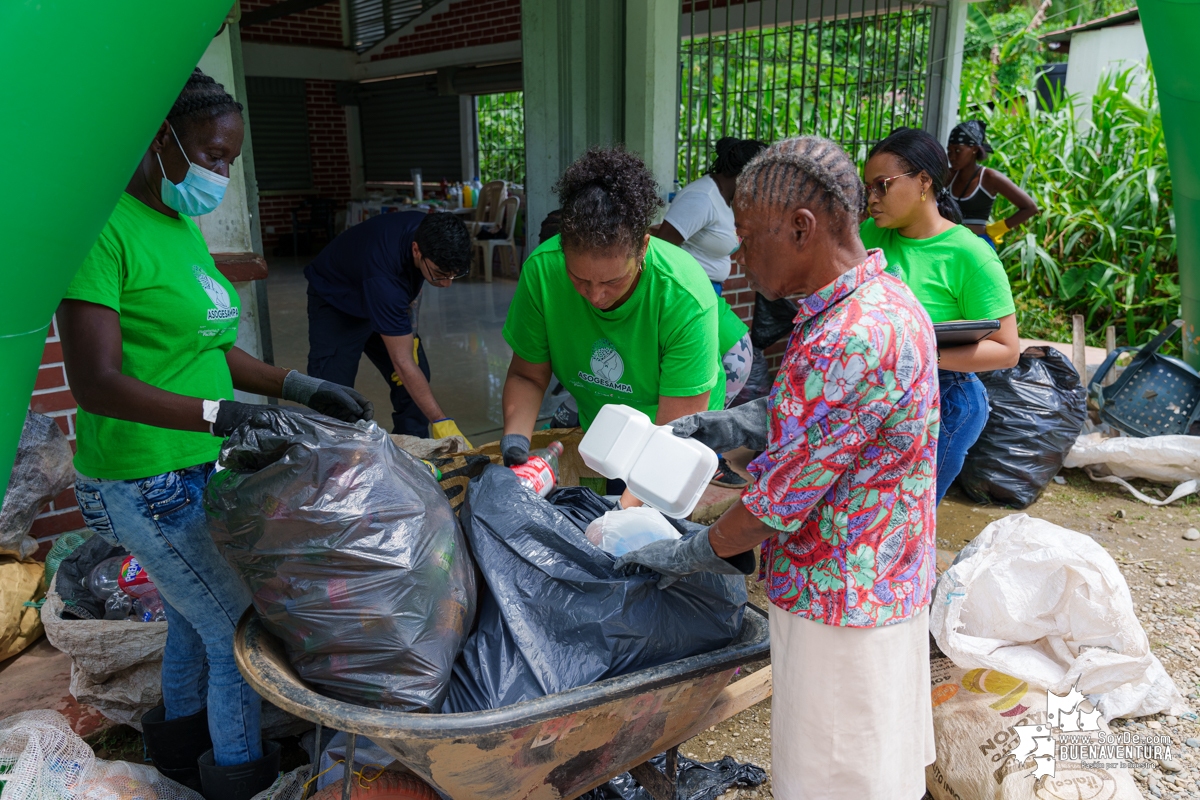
{"points": [[609, 199], [202, 99], [805, 171], [733, 154], [444, 240], [921, 152]]}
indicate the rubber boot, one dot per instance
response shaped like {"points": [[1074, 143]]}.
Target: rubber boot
{"points": [[241, 781], [175, 746]]}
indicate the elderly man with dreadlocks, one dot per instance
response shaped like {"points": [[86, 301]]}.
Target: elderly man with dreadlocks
{"points": [[843, 493], [148, 328]]}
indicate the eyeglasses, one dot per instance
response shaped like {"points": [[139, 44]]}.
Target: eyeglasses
{"points": [[437, 273], [879, 186]]}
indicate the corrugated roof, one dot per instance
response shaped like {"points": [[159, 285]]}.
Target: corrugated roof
{"points": [[1119, 18]]}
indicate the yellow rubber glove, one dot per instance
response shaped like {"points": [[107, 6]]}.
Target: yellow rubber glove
{"points": [[997, 229], [446, 427], [395, 376]]}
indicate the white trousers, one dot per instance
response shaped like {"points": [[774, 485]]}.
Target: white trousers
{"points": [[851, 715]]}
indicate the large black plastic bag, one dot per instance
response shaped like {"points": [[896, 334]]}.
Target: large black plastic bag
{"points": [[557, 615], [1038, 409], [353, 554]]}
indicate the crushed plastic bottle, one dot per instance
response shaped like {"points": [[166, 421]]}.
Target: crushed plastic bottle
{"points": [[104, 579], [148, 608], [118, 606], [540, 472]]}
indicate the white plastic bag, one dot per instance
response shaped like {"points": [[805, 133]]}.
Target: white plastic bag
{"points": [[1049, 606], [1173, 460], [624, 530]]}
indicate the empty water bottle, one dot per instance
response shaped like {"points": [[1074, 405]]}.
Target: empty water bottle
{"points": [[118, 606], [540, 472], [104, 578], [149, 608]]}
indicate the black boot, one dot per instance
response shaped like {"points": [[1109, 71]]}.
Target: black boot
{"points": [[241, 781], [174, 746]]}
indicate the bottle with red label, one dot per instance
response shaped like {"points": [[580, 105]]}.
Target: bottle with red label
{"points": [[133, 580], [540, 472]]}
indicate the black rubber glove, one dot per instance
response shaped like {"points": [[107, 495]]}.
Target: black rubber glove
{"points": [[231, 415], [743, 426], [329, 398], [675, 558], [515, 449]]}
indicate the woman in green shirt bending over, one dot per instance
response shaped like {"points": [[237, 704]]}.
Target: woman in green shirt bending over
{"points": [[953, 272], [148, 329], [617, 316]]}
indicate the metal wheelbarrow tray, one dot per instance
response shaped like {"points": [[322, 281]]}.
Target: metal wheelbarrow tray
{"points": [[550, 748]]}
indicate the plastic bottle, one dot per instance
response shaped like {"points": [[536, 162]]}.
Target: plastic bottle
{"points": [[623, 531], [118, 606], [540, 472], [134, 580], [104, 578], [437, 473], [148, 608]]}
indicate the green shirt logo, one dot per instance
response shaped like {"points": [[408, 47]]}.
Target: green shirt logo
{"points": [[216, 292], [607, 367]]}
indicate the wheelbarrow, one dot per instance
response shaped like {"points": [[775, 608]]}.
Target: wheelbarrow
{"points": [[550, 748], [1156, 395]]}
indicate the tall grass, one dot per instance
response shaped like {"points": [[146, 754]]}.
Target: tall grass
{"points": [[1104, 244]]}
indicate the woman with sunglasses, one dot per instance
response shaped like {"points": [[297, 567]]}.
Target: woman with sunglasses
{"points": [[975, 187], [616, 315], [954, 274]]}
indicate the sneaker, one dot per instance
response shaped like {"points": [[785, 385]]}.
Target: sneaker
{"points": [[726, 477]]}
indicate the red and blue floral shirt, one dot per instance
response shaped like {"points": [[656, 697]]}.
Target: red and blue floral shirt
{"points": [[848, 474]]}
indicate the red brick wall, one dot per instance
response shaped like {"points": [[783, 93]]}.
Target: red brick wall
{"points": [[463, 24], [316, 27], [52, 397], [328, 143]]}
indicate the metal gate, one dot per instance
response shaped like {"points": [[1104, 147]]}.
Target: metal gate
{"points": [[501, 136], [850, 70]]}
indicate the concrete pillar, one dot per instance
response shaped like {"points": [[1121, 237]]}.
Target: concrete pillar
{"points": [[942, 96], [597, 72]]}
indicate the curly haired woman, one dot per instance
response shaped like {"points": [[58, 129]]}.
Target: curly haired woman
{"points": [[615, 315]]}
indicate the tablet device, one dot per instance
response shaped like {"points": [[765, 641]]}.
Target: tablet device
{"points": [[967, 331]]}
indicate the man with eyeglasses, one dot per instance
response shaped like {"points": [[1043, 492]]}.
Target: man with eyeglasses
{"points": [[362, 294]]}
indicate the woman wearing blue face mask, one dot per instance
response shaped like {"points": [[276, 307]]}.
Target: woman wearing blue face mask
{"points": [[148, 327]]}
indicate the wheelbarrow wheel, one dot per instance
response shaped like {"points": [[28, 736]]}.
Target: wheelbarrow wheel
{"points": [[388, 786]]}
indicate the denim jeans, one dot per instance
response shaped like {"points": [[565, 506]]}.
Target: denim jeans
{"points": [[160, 520], [964, 413]]}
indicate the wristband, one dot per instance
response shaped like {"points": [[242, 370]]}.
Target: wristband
{"points": [[208, 411]]}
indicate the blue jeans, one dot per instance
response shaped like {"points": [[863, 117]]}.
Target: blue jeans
{"points": [[964, 413], [160, 520]]}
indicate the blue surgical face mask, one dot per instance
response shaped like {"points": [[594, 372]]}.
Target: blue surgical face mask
{"points": [[200, 192]]}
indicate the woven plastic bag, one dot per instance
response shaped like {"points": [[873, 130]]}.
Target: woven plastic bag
{"points": [[20, 587], [42, 758], [42, 470]]}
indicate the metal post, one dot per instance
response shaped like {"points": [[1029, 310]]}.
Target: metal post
{"points": [[348, 765]]}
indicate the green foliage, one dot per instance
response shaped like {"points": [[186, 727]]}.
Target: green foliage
{"points": [[1104, 243], [501, 136]]}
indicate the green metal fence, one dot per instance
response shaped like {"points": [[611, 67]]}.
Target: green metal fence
{"points": [[850, 70], [501, 120]]}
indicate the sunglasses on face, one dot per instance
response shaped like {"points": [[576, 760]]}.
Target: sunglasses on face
{"points": [[879, 186]]}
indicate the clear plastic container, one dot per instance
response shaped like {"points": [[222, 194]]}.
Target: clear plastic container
{"points": [[118, 606], [148, 608], [540, 472], [104, 579], [664, 471]]}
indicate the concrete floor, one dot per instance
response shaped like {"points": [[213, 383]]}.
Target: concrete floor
{"points": [[39, 678], [459, 325]]}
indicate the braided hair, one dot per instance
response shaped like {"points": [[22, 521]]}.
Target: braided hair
{"points": [[919, 151], [807, 171], [609, 199], [202, 99], [733, 154]]}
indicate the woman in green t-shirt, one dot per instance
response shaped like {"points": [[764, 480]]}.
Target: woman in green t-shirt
{"points": [[148, 327], [616, 316], [954, 274]]}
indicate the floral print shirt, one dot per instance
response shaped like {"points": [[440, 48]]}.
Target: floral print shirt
{"points": [[848, 474]]}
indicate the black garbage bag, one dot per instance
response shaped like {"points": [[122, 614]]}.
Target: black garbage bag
{"points": [[353, 554], [557, 615], [697, 780], [1038, 409], [773, 320]]}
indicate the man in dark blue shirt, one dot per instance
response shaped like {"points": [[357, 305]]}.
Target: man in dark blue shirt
{"points": [[361, 292]]}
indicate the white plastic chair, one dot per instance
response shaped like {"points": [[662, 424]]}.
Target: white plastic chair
{"points": [[508, 221]]}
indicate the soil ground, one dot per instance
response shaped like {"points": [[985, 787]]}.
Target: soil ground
{"points": [[1163, 572]]}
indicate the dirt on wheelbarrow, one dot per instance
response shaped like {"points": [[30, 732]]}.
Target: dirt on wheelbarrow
{"points": [[1161, 566]]}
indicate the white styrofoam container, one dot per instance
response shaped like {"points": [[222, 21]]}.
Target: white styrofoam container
{"points": [[662, 470]]}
